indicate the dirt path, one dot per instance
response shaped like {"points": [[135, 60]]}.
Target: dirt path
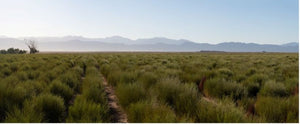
{"points": [[209, 100], [118, 113]]}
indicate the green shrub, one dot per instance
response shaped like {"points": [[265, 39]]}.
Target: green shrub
{"points": [[114, 78], [245, 102], [168, 90], [251, 71], [3, 99], [225, 72], [130, 93], [128, 77], [22, 76], [148, 79], [92, 71], [25, 67], [39, 86], [252, 88], [10, 97], [51, 106], [105, 69], [50, 76], [187, 100], [91, 80], [86, 112], [16, 96], [258, 78], [62, 90], [272, 88], [72, 80], [95, 93], [6, 71], [291, 85], [221, 88], [32, 75], [145, 112], [293, 109], [25, 115], [78, 70], [28, 87], [13, 67], [183, 97], [276, 109], [225, 112]]}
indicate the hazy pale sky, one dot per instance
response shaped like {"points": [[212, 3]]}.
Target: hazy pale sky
{"points": [[211, 21]]}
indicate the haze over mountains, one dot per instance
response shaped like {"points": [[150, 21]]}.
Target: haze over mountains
{"points": [[117, 43]]}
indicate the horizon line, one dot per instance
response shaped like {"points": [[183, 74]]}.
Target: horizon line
{"points": [[81, 36]]}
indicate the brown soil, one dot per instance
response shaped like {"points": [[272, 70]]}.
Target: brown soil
{"points": [[119, 116]]}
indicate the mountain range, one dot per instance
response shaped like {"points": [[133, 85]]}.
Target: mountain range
{"points": [[117, 43]]}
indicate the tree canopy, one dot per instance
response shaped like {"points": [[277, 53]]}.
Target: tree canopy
{"points": [[12, 51]]}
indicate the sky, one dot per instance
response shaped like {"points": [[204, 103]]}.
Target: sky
{"points": [[203, 21]]}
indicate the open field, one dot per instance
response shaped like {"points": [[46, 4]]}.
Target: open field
{"points": [[149, 87]]}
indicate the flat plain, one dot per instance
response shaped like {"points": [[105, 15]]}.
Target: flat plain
{"points": [[149, 87]]}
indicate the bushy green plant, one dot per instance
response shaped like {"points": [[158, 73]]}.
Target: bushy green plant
{"points": [[220, 88], [114, 77], [78, 70], [128, 77], [183, 97], [258, 78], [105, 69], [91, 80], [16, 96], [147, 112], [92, 71], [62, 90], [25, 115], [51, 106], [276, 109], [293, 109], [71, 79], [291, 85], [272, 88], [6, 71], [148, 79], [87, 111], [32, 75], [225, 72], [10, 97], [3, 99], [49, 76], [219, 113], [22, 76], [186, 102], [38, 86], [14, 67], [252, 88], [251, 71], [95, 93], [130, 93]]}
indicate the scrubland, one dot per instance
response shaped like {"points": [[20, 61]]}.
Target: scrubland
{"points": [[150, 87]]}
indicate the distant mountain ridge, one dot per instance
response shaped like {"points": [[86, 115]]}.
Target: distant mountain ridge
{"points": [[117, 43]]}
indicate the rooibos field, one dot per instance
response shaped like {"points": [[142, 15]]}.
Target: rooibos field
{"points": [[150, 87]]}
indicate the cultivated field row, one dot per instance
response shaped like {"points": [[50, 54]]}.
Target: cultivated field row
{"points": [[149, 87]]}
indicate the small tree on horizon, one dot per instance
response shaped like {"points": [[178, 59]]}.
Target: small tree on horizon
{"points": [[12, 51], [32, 45]]}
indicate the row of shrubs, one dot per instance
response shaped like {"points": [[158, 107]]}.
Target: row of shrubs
{"points": [[39, 93], [142, 80], [151, 87], [91, 105]]}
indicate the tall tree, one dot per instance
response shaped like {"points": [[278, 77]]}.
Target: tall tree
{"points": [[32, 45]]}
